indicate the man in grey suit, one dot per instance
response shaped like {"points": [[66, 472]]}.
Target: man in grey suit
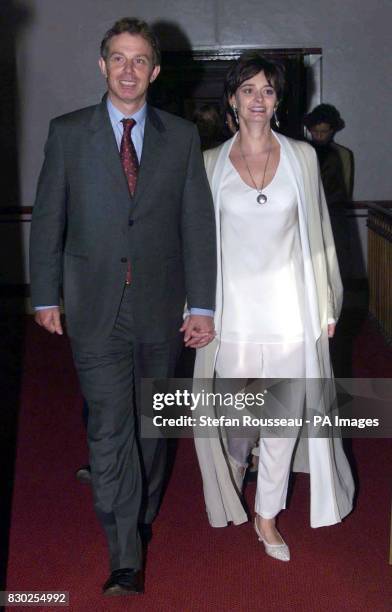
{"points": [[123, 222]]}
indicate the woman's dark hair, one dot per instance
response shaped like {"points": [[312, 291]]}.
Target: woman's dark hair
{"points": [[132, 26], [324, 113], [247, 66]]}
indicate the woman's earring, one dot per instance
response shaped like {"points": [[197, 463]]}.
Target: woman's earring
{"points": [[235, 111], [276, 118]]}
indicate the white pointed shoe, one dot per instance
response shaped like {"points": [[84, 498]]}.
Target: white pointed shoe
{"points": [[277, 551]]}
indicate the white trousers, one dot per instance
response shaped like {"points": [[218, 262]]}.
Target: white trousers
{"points": [[246, 360]]}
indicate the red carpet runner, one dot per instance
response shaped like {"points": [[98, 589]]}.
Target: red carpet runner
{"points": [[56, 542]]}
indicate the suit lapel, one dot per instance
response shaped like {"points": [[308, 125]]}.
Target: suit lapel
{"points": [[104, 147], [154, 143]]}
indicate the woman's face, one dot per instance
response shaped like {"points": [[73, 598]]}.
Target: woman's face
{"points": [[255, 100]]}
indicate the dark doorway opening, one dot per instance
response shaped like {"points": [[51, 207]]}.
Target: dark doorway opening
{"points": [[191, 79]]}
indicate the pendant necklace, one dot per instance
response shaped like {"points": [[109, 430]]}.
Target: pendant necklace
{"points": [[261, 197]]}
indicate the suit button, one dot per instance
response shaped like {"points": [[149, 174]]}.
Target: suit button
{"points": [[130, 221], [124, 260]]}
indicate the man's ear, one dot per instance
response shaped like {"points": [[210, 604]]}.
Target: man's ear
{"points": [[154, 74], [102, 67]]}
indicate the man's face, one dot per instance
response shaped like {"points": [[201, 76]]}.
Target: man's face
{"points": [[129, 69], [321, 133]]}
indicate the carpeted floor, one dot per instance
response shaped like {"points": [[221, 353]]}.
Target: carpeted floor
{"points": [[56, 542]]}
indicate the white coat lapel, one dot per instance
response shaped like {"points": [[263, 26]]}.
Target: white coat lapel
{"points": [[296, 170], [215, 165], [217, 171]]}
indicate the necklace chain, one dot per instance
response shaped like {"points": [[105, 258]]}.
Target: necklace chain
{"points": [[261, 197]]}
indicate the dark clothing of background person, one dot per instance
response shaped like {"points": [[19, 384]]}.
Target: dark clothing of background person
{"points": [[337, 173], [334, 184], [331, 174]]}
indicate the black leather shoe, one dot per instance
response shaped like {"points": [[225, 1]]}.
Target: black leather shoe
{"points": [[84, 474], [125, 581]]}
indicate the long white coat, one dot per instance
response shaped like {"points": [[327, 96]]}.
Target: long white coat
{"points": [[331, 482]]}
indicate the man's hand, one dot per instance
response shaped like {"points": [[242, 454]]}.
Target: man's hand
{"points": [[198, 330], [331, 330], [49, 318]]}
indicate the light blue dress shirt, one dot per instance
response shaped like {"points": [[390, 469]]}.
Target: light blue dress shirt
{"points": [[137, 135]]}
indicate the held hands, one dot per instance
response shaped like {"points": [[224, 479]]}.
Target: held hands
{"points": [[49, 318], [198, 331]]}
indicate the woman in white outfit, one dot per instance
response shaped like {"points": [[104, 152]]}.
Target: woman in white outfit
{"points": [[278, 298]]}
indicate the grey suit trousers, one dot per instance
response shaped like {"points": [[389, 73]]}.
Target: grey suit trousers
{"points": [[127, 471]]}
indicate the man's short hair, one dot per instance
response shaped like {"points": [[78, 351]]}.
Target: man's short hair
{"points": [[132, 25]]}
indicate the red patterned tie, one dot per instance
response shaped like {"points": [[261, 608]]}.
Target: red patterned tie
{"points": [[130, 164]]}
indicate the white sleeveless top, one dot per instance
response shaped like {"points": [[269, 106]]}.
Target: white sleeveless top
{"points": [[262, 268]]}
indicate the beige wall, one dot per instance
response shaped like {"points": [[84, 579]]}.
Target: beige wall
{"points": [[57, 52], [57, 48]]}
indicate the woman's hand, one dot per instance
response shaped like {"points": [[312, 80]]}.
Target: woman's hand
{"points": [[198, 331], [331, 330]]}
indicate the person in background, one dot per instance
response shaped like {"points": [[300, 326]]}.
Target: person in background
{"points": [[337, 173], [323, 123], [210, 126]]}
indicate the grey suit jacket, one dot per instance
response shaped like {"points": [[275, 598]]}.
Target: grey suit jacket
{"points": [[86, 226]]}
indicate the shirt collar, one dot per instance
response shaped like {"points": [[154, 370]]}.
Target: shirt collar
{"points": [[116, 116]]}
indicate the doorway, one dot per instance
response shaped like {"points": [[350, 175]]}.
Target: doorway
{"points": [[191, 79]]}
